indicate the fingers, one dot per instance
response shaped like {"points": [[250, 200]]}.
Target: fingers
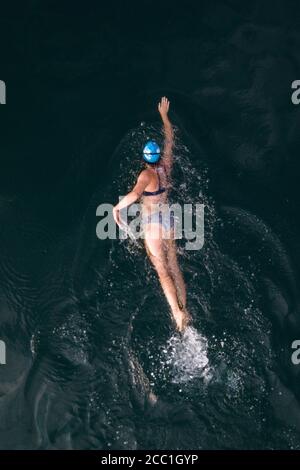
{"points": [[164, 104], [116, 215]]}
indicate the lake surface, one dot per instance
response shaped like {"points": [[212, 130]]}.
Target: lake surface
{"points": [[92, 359]]}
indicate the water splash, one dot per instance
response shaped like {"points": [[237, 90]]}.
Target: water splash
{"points": [[186, 356]]}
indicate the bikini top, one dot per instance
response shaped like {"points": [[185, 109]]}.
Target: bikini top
{"points": [[160, 189]]}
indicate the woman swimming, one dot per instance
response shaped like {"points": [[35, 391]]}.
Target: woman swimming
{"points": [[152, 188]]}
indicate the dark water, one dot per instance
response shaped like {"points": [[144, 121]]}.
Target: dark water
{"points": [[92, 358]]}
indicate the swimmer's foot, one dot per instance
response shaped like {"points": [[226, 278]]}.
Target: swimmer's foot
{"points": [[187, 319], [182, 319]]}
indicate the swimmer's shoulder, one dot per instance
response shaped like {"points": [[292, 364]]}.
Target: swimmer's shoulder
{"points": [[145, 175]]}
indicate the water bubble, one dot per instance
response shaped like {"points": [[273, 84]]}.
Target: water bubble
{"points": [[186, 356]]}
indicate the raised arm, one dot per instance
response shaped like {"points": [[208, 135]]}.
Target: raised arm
{"points": [[163, 108]]}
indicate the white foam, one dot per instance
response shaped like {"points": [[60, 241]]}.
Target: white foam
{"points": [[186, 355]]}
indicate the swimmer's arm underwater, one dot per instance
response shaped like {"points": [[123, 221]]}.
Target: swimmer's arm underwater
{"points": [[163, 108], [132, 196]]}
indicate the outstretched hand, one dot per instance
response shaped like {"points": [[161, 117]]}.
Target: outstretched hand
{"points": [[163, 106], [116, 215]]}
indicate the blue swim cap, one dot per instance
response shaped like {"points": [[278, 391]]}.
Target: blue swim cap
{"points": [[151, 152]]}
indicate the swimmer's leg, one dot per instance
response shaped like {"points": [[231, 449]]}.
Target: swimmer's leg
{"points": [[174, 269], [155, 250], [176, 273]]}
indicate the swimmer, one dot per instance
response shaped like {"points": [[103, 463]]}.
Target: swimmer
{"points": [[152, 189]]}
